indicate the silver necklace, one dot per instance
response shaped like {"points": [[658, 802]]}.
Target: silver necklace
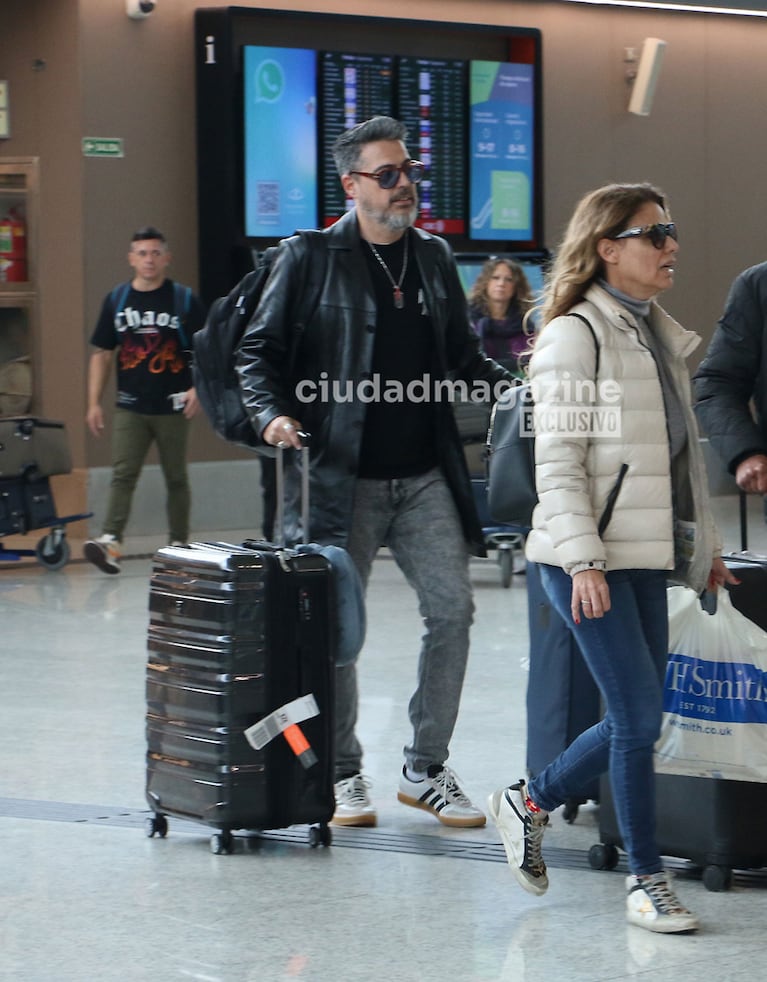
{"points": [[399, 297]]}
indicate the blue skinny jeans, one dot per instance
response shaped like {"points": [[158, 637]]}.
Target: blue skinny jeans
{"points": [[626, 652]]}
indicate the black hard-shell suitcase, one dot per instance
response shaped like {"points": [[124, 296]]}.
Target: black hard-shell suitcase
{"points": [[751, 569], [236, 635], [717, 824], [562, 697]]}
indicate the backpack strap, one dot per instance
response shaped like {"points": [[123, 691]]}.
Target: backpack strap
{"points": [[118, 296]]}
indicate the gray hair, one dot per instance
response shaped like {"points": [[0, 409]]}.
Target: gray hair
{"points": [[348, 147]]}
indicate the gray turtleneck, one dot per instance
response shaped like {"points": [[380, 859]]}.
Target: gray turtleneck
{"points": [[675, 421]]}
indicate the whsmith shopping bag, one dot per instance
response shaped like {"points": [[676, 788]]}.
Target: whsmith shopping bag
{"points": [[715, 695]]}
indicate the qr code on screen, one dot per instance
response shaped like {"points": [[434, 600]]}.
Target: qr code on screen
{"points": [[268, 199]]}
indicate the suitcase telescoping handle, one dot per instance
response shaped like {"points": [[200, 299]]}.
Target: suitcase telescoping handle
{"points": [[279, 517]]}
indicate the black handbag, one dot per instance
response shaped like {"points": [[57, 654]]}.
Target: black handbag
{"points": [[510, 459], [511, 494]]}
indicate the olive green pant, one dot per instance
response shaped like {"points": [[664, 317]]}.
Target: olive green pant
{"points": [[133, 435]]}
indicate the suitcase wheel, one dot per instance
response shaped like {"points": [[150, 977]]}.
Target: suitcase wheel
{"points": [[320, 835], [717, 878], [156, 825], [603, 856], [222, 843]]}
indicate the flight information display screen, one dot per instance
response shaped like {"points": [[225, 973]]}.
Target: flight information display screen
{"points": [[430, 97], [354, 87]]}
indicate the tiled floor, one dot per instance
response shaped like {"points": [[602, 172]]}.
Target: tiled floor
{"points": [[85, 895]]}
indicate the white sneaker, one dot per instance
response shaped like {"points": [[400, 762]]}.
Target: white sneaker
{"points": [[522, 836], [353, 805], [652, 904], [103, 552], [440, 794]]}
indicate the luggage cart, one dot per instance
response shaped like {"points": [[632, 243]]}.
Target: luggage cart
{"points": [[31, 451], [52, 550], [507, 540], [473, 420]]}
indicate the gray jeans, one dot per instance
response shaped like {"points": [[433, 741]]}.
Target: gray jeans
{"points": [[417, 519]]}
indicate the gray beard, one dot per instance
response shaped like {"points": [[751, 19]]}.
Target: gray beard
{"points": [[395, 222]]}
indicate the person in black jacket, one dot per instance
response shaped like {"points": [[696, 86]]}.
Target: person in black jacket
{"points": [[363, 378], [730, 382]]}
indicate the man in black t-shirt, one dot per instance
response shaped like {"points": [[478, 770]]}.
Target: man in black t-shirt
{"points": [[149, 323]]}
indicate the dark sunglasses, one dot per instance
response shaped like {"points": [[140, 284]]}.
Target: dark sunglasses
{"points": [[388, 177], [657, 233]]}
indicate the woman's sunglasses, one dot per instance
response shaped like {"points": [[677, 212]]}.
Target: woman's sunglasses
{"points": [[387, 177], [657, 234]]}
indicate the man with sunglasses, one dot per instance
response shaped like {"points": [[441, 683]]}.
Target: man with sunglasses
{"points": [[730, 387], [388, 467]]}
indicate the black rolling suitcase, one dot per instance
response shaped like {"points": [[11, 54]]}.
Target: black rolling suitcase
{"points": [[562, 697], [240, 689], [751, 569], [715, 823]]}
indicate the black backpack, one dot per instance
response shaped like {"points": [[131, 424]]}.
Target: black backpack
{"points": [[215, 345]]}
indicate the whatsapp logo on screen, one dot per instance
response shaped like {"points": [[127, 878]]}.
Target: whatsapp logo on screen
{"points": [[269, 80]]}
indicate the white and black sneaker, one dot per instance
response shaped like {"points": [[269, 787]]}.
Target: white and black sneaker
{"points": [[522, 836], [103, 552], [353, 805], [439, 793], [652, 904]]}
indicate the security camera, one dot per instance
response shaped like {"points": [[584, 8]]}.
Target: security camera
{"points": [[138, 9]]}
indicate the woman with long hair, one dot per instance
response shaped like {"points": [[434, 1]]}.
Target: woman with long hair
{"points": [[499, 302], [622, 509]]}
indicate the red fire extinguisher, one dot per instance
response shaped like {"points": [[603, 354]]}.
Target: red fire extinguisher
{"points": [[13, 248]]}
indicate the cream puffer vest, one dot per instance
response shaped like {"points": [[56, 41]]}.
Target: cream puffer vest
{"points": [[603, 468]]}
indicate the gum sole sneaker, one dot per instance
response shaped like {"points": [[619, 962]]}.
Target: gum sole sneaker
{"points": [[440, 794], [522, 837], [353, 805]]}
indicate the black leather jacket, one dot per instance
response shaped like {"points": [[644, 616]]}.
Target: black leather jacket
{"points": [[277, 352], [734, 372]]}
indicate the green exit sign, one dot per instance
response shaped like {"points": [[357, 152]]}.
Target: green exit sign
{"points": [[102, 146]]}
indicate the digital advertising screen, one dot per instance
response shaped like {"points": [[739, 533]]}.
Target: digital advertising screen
{"points": [[501, 151], [431, 103], [280, 140]]}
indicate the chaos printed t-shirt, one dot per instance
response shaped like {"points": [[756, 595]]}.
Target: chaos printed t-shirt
{"points": [[152, 365]]}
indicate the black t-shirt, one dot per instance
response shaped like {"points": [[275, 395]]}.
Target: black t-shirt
{"points": [[152, 363], [399, 436]]}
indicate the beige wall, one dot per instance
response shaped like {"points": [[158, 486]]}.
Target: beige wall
{"points": [[106, 75]]}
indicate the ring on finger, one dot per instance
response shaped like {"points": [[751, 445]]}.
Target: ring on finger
{"points": [[586, 603]]}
